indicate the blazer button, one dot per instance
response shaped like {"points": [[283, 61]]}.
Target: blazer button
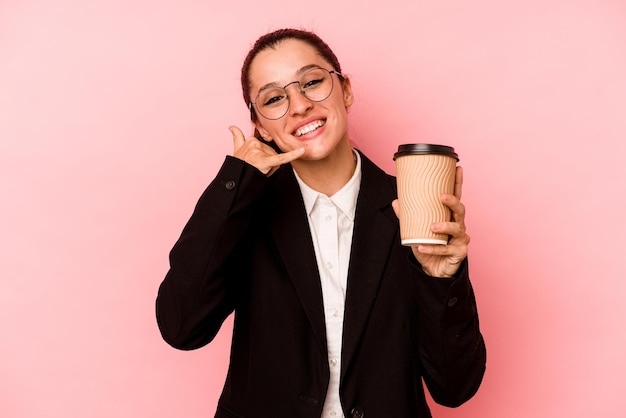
{"points": [[357, 412], [452, 301], [230, 185]]}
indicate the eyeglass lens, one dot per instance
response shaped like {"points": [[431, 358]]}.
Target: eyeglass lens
{"points": [[316, 85]]}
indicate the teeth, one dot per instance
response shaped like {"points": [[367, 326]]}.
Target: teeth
{"points": [[309, 128]]}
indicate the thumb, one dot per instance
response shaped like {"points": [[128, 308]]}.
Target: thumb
{"points": [[238, 137], [396, 207]]}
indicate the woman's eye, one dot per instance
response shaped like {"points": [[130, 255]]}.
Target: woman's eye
{"points": [[273, 100], [312, 83]]}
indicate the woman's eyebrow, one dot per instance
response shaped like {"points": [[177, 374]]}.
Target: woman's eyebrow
{"points": [[307, 68], [299, 72]]}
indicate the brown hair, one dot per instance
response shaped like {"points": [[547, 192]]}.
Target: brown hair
{"points": [[271, 40]]}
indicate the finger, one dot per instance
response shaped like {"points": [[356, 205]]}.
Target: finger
{"points": [[285, 157], [238, 137], [396, 207], [453, 203], [457, 252], [458, 182], [435, 249], [456, 230]]}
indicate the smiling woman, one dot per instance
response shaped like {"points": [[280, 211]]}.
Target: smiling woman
{"points": [[113, 114], [301, 241], [317, 128]]}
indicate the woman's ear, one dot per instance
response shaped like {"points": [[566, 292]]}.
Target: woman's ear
{"points": [[262, 132], [348, 97], [269, 141]]}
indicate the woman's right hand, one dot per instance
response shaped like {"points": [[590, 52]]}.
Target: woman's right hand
{"points": [[260, 155]]}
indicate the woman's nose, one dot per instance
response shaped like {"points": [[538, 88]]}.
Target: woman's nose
{"points": [[298, 102]]}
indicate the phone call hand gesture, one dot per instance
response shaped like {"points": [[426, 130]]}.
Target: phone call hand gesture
{"points": [[445, 260], [260, 155]]}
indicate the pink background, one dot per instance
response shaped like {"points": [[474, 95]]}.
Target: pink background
{"points": [[113, 119]]}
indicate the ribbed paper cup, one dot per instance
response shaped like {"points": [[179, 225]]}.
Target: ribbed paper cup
{"points": [[424, 172]]}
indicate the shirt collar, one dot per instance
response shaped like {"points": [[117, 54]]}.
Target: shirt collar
{"points": [[344, 199]]}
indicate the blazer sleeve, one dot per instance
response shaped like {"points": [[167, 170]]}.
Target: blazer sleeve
{"points": [[201, 287], [452, 348]]}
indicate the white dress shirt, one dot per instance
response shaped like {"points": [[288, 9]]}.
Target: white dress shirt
{"points": [[331, 220]]}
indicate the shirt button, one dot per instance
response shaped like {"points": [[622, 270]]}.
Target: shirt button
{"points": [[333, 362], [333, 413], [335, 313], [328, 218], [329, 265]]}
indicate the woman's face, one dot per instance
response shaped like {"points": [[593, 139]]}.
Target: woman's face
{"points": [[318, 126]]}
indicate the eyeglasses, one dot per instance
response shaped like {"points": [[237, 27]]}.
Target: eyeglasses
{"points": [[316, 85]]}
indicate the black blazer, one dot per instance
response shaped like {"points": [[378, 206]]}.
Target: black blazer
{"points": [[247, 248]]}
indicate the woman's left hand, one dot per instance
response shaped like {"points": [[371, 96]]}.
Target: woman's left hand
{"points": [[445, 260]]}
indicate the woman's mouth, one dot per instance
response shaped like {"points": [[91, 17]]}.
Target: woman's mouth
{"points": [[309, 127]]}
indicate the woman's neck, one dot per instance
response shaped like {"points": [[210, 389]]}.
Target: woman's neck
{"points": [[329, 175]]}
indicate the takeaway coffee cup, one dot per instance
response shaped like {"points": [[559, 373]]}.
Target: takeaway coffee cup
{"points": [[424, 172]]}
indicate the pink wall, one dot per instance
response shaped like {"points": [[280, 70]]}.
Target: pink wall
{"points": [[114, 116]]}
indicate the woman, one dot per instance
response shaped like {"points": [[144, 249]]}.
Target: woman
{"points": [[298, 237]]}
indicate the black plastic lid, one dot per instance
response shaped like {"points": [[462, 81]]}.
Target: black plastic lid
{"points": [[424, 149]]}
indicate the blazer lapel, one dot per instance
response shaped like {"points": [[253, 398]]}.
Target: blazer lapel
{"points": [[375, 230], [295, 245]]}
